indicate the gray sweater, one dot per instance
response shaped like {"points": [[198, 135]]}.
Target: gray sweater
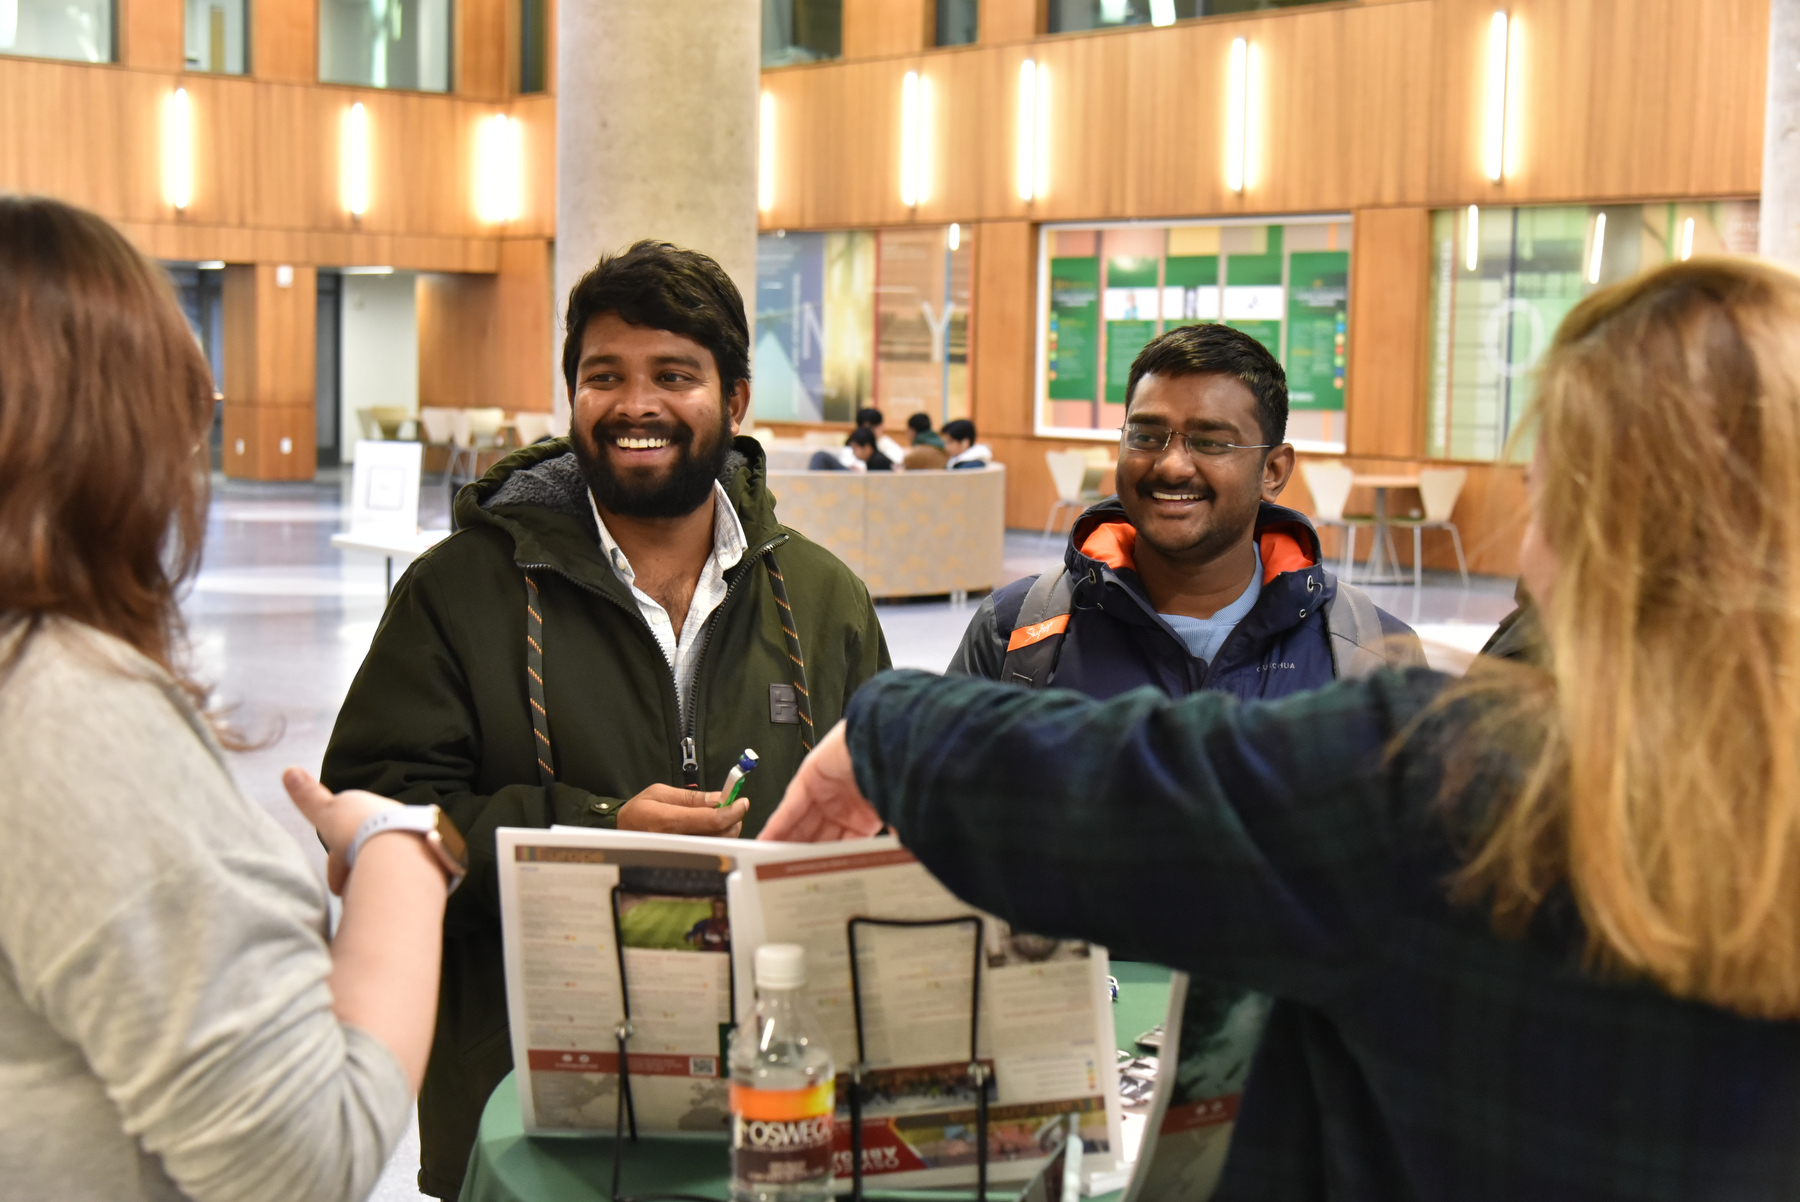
{"points": [[165, 1022]]}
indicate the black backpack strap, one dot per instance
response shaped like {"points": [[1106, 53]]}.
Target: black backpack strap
{"points": [[1037, 637], [534, 680]]}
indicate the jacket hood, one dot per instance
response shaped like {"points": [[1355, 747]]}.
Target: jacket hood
{"points": [[1103, 537], [538, 497]]}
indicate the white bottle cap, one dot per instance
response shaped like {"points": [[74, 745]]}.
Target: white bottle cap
{"points": [[780, 966]]}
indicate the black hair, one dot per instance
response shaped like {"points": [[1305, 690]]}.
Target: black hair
{"points": [[868, 417], [663, 287], [961, 430], [1212, 349], [918, 423], [862, 436]]}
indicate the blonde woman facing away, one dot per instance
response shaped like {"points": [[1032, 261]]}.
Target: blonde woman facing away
{"points": [[1533, 934], [173, 1022]]}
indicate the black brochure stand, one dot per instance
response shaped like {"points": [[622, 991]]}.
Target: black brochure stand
{"points": [[978, 1072], [625, 1112]]}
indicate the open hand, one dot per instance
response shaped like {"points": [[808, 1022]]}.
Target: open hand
{"points": [[822, 803], [668, 810]]}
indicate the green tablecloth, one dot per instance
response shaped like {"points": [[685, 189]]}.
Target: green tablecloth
{"points": [[507, 1166]]}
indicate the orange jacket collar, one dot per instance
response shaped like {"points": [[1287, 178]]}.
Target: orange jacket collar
{"points": [[1113, 544]]}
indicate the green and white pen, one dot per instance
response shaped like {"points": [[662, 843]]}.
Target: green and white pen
{"points": [[734, 780]]}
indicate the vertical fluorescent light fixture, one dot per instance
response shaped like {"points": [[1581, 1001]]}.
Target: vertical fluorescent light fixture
{"points": [[178, 149], [909, 139], [1687, 239], [765, 154], [955, 235], [1162, 12], [1472, 239], [1028, 138], [499, 166], [1040, 150], [1599, 247], [354, 170], [1237, 116], [1494, 142]]}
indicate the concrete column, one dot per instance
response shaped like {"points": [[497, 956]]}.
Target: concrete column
{"points": [[1780, 218], [656, 133]]}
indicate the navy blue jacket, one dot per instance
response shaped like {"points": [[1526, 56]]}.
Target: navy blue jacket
{"points": [[1117, 642]]}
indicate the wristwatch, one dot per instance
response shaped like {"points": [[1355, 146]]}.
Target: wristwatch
{"points": [[429, 822]]}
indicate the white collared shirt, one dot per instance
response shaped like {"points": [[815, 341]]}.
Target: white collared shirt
{"points": [[683, 650]]}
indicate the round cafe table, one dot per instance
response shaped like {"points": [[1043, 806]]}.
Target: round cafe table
{"points": [[507, 1165]]}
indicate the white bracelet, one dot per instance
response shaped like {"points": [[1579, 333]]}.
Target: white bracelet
{"points": [[429, 823]]}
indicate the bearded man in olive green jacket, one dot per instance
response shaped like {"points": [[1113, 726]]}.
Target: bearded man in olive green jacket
{"points": [[618, 617]]}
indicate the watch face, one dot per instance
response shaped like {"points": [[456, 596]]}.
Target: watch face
{"points": [[452, 840]]}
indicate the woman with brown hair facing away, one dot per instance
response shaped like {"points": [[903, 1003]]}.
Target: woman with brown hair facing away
{"points": [[173, 1022], [1533, 934]]}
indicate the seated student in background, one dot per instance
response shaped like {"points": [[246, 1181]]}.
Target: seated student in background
{"points": [[959, 441], [620, 613], [924, 458], [922, 433], [173, 1021], [858, 454], [871, 420], [1534, 933]]}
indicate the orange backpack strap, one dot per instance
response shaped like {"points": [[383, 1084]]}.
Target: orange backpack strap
{"points": [[1037, 637]]}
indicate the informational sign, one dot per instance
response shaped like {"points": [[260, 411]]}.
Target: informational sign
{"points": [[1190, 290], [1317, 311], [1133, 304], [1074, 343], [790, 327], [384, 488]]}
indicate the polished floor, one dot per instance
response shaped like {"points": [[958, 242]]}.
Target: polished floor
{"points": [[279, 621]]}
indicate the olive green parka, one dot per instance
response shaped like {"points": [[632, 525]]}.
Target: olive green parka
{"points": [[441, 711]]}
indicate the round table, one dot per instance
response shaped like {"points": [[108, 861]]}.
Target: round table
{"points": [[506, 1165]]}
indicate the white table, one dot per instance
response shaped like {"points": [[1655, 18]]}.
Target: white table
{"points": [[390, 545], [1378, 558]]}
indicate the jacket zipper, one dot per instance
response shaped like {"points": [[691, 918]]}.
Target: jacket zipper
{"points": [[690, 760]]}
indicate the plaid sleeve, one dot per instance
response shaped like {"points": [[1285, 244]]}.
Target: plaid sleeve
{"points": [[1252, 843]]}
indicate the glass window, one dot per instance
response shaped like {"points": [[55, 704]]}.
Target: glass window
{"points": [[534, 46], [1070, 16], [82, 30], [1502, 279], [801, 31], [386, 43], [958, 22], [863, 317], [216, 36], [1109, 291]]}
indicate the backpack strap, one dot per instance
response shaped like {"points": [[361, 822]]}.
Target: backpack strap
{"points": [[1358, 645], [1037, 636]]}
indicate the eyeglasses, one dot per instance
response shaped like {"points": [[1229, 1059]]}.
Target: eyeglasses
{"points": [[1154, 440]]}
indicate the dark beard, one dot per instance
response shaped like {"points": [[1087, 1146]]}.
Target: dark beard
{"points": [[677, 494]]}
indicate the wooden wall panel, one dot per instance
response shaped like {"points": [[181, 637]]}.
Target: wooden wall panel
{"points": [[270, 360], [1010, 20], [487, 48], [879, 28], [526, 369], [284, 40], [267, 159], [151, 34], [1003, 340], [1390, 278], [1362, 105]]}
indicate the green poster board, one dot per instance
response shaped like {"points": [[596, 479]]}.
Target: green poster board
{"points": [[1124, 339], [1266, 332], [1074, 342], [1317, 307], [1189, 272], [1256, 270], [1134, 271]]}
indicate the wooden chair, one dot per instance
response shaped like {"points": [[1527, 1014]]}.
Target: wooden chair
{"points": [[1330, 482], [1439, 487]]}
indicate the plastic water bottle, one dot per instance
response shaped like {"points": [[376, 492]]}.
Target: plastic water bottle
{"points": [[783, 1090]]}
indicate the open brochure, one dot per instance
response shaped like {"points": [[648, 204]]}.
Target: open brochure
{"points": [[690, 913], [1209, 1038]]}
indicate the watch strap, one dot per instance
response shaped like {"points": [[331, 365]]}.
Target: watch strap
{"points": [[428, 822]]}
